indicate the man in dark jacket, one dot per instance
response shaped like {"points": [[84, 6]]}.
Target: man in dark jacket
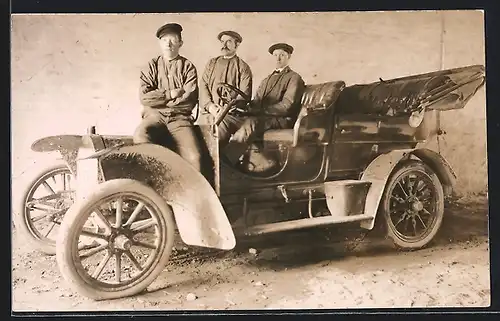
{"points": [[276, 102], [226, 68], [168, 93]]}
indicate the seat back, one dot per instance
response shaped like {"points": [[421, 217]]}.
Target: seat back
{"points": [[321, 96], [317, 106]]}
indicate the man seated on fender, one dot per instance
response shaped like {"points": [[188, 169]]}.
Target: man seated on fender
{"points": [[276, 104]]}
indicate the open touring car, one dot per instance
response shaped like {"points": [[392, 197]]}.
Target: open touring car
{"points": [[352, 156]]}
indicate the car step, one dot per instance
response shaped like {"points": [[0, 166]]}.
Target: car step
{"points": [[304, 223]]}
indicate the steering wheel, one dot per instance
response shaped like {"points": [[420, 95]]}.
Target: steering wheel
{"points": [[228, 94]]}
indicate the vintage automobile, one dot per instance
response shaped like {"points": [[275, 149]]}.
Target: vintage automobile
{"points": [[353, 156]]}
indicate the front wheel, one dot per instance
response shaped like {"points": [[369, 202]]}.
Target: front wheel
{"points": [[412, 205], [127, 233]]}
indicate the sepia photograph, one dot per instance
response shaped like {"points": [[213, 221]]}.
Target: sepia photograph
{"points": [[249, 161]]}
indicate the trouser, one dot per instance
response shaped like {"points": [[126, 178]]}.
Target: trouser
{"points": [[228, 126], [174, 132], [252, 128]]}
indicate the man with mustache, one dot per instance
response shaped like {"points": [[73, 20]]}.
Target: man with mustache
{"points": [[168, 93], [226, 68], [276, 102]]}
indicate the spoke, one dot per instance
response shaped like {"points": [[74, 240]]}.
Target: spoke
{"points": [[402, 188], [421, 221], [118, 267], [398, 199], [399, 207], [425, 192], [133, 260], [426, 211], [142, 225], [95, 235], [48, 188], [45, 198], [401, 219], [33, 220], [39, 203], [38, 218], [94, 250], [136, 212], [414, 187], [421, 188], [54, 179], [409, 185], [406, 225], [119, 212], [64, 181], [103, 220], [145, 245], [101, 266], [50, 229], [414, 223]]}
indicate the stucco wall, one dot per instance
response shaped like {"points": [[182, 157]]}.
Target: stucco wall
{"points": [[70, 71]]}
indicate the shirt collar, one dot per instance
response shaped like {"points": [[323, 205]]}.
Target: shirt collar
{"points": [[229, 57], [279, 70], [172, 59]]}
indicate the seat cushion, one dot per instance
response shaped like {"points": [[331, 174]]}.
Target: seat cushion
{"points": [[284, 136]]}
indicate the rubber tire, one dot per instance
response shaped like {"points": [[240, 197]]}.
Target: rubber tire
{"points": [[20, 221], [402, 169], [67, 236]]}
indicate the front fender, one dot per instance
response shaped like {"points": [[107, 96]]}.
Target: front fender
{"points": [[199, 215]]}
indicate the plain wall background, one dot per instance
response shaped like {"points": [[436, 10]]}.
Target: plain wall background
{"points": [[72, 71]]}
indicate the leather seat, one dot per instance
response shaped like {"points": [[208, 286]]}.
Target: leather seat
{"points": [[315, 97]]}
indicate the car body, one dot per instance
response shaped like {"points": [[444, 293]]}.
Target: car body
{"points": [[343, 161]]}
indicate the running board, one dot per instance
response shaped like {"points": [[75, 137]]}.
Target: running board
{"points": [[304, 223]]}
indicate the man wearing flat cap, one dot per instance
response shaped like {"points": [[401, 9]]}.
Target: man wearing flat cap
{"points": [[225, 68], [277, 100], [168, 93]]}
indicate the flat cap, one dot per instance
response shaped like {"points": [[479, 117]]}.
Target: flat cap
{"points": [[230, 33], [169, 28], [283, 46]]}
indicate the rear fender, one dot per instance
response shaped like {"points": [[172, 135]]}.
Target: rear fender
{"points": [[440, 166], [380, 169], [199, 215]]}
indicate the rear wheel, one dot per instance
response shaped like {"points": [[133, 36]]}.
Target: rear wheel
{"points": [[44, 202], [412, 205], [127, 230]]}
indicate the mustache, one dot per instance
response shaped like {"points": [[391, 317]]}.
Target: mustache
{"points": [[224, 48]]}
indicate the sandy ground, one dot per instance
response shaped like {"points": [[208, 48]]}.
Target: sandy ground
{"points": [[286, 274]]}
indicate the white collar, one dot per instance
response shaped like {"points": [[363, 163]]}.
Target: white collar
{"points": [[228, 57], [280, 69]]}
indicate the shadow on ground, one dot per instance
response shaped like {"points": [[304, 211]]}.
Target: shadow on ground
{"points": [[463, 222]]}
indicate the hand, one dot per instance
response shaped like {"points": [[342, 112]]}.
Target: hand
{"points": [[174, 93], [213, 109]]}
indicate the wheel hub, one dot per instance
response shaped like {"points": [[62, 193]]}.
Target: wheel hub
{"points": [[417, 206], [122, 242]]}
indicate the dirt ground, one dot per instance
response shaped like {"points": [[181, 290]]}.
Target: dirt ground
{"points": [[289, 273]]}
